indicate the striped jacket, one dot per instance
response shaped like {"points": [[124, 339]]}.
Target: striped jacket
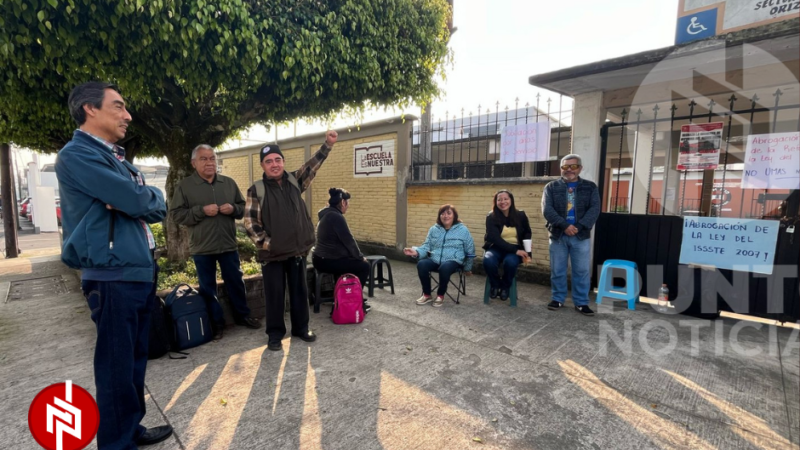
{"points": [[455, 244]]}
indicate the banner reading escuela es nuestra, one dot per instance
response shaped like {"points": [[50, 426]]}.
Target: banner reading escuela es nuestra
{"points": [[374, 159]]}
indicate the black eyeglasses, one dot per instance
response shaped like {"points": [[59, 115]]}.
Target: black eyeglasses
{"points": [[571, 166]]}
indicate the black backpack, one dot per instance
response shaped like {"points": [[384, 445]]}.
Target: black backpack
{"points": [[160, 341], [160, 331], [191, 325]]}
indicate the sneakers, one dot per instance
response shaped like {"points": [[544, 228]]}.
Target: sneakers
{"points": [[554, 305], [438, 302], [584, 310], [367, 307], [424, 300], [494, 293], [503, 294]]}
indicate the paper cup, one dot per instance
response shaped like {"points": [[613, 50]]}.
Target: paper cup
{"points": [[527, 244]]}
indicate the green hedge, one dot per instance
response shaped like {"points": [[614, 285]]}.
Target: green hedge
{"points": [[173, 274]]}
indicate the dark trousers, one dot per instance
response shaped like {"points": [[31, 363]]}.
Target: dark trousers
{"points": [[121, 312], [234, 284], [445, 269], [277, 275], [493, 259], [339, 267]]}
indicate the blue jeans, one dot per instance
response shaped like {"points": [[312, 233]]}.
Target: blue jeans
{"points": [[121, 313], [492, 260], [577, 252], [234, 284], [446, 270]]}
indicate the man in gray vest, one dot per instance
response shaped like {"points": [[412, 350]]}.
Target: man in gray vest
{"points": [[571, 206], [277, 220], [209, 204]]}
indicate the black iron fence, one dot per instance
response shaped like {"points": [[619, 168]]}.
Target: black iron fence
{"points": [[640, 153], [467, 145]]}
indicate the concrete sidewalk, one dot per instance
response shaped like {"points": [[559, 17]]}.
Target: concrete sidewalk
{"points": [[417, 377]]}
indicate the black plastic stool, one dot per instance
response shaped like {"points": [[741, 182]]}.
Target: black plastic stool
{"points": [[376, 263], [318, 298]]}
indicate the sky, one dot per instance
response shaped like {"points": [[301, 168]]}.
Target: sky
{"points": [[500, 43]]}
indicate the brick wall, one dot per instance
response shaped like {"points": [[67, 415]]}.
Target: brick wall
{"points": [[238, 169], [473, 203], [372, 215]]}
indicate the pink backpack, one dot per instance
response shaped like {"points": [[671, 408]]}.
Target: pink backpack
{"points": [[348, 305]]}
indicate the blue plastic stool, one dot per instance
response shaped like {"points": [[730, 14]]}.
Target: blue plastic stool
{"points": [[512, 293], [629, 293]]}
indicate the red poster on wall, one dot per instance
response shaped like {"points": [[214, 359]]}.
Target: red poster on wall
{"points": [[699, 146]]}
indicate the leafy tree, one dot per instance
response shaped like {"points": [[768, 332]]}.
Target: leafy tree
{"points": [[198, 71]]}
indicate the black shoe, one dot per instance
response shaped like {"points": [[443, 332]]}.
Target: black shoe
{"points": [[218, 332], [504, 294], [154, 435], [494, 293], [249, 322], [309, 336], [584, 310], [367, 307], [275, 346], [554, 305]]}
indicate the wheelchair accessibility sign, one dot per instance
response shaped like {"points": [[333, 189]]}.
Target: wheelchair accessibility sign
{"points": [[696, 26]]}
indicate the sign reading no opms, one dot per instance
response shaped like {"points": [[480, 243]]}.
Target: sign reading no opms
{"points": [[63, 416]]}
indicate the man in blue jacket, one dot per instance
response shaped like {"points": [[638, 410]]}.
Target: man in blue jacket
{"points": [[105, 212], [571, 206]]}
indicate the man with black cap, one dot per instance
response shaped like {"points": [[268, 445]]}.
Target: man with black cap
{"points": [[278, 222]]}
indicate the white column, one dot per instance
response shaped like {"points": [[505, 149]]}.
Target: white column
{"points": [[588, 116]]}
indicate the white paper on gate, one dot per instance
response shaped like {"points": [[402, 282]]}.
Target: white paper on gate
{"points": [[526, 142], [772, 161]]}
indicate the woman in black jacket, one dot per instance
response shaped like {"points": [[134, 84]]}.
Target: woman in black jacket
{"points": [[336, 251], [506, 228]]}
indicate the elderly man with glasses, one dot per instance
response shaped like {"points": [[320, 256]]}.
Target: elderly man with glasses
{"points": [[571, 206]]}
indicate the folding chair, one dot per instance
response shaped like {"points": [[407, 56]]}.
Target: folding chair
{"points": [[461, 287]]}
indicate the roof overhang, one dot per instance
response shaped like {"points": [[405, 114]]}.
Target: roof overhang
{"points": [[780, 40]]}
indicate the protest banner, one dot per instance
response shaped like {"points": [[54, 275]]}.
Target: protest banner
{"points": [[699, 146], [737, 244], [772, 161], [525, 142]]}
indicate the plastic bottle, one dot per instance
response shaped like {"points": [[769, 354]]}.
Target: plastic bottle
{"points": [[663, 295], [663, 305]]}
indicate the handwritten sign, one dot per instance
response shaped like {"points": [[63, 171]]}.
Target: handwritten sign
{"points": [[746, 245], [374, 159], [699, 146], [525, 142], [772, 161]]}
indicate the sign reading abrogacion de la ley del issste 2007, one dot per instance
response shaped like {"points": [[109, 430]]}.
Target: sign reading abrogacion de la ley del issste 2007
{"points": [[737, 244], [374, 159]]}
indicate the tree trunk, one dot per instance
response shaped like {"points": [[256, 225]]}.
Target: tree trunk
{"points": [[177, 236]]}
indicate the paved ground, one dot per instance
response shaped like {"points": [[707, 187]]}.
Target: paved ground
{"points": [[416, 377]]}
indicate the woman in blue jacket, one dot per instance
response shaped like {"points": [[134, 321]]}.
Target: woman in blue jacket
{"points": [[447, 248], [506, 228]]}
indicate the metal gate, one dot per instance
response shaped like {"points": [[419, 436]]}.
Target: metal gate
{"points": [[645, 198]]}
